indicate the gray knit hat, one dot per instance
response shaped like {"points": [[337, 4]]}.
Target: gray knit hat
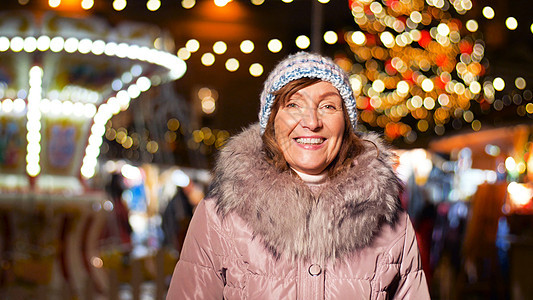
{"points": [[309, 65]]}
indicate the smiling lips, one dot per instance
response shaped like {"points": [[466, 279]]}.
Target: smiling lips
{"points": [[311, 141]]}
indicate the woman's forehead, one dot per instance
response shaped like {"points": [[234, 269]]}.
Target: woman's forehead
{"points": [[323, 90]]}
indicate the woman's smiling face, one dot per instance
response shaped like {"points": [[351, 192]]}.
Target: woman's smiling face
{"points": [[309, 127]]}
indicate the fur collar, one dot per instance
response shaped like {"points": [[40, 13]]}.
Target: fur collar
{"points": [[290, 220]]}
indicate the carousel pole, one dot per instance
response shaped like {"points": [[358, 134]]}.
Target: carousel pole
{"points": [[317, 19]]}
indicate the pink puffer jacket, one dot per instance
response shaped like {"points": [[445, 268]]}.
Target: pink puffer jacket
{"points": [[266, 235]]}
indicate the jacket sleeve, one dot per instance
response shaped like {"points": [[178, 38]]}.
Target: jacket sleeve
{"points": [[413, 283], [198, 273]]}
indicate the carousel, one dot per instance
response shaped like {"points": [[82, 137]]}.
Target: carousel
{"points": [[61, 80]]}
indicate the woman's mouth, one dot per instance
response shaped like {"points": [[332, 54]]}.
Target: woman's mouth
{"points": [[310, 141]]}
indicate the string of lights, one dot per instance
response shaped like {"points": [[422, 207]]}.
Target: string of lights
{"points": [[414, 60]]}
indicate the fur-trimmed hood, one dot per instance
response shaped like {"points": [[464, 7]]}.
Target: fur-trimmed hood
{"points": [[292, 221]]}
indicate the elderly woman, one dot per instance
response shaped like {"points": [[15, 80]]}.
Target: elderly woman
{"points": [[302, 207]]}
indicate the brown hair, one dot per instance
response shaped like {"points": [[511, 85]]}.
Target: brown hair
{"points": [[351, 145]]}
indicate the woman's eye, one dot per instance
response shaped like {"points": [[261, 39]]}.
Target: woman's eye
{"points": [[329, 107], [291, 105]]}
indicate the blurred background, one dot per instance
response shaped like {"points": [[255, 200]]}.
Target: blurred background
{"points": [[112, 113]]}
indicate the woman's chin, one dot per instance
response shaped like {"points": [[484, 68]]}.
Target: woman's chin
{"points": [[309, 170]]}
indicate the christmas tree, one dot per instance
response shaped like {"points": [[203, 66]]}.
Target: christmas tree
{"points": [[416, 66]]}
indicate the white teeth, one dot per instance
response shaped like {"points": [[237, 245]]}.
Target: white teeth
{"points": [[310, 141]]}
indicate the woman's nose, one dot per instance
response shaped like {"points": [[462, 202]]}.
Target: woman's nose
{"points": [[311, 118]]}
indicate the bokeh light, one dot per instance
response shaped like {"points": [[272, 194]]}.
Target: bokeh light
{"points": [[511, 23], [520, 83], [498, 83], [220, 47], [188, 4], [488, 12], [87, 4], [472, 25], [330, 37], [358, 38], [256, 69], [247, 46], [221, 3], [54, 3], [192, 45], [232, 64], [274, 45], [183, 53], [208, 59], [303, 42], [119, 5], [153, 5]]}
